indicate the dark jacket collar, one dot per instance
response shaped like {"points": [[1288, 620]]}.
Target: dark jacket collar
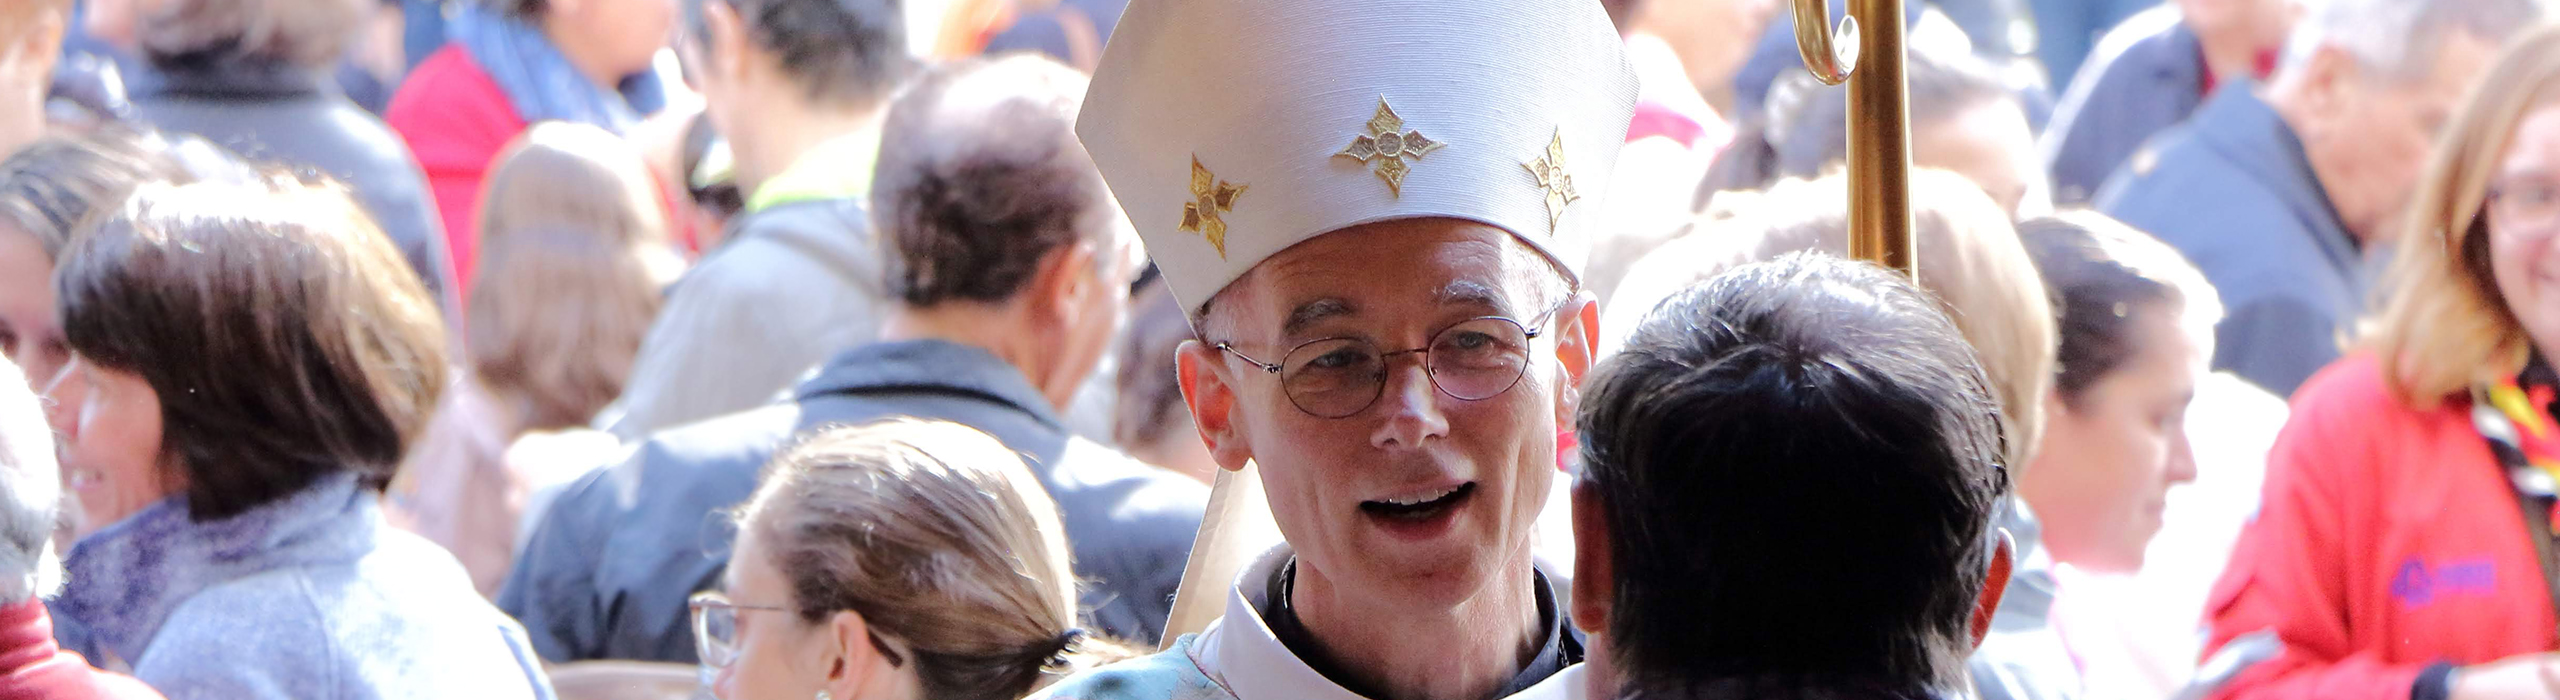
{"points": [[233, 81], [932, 366], [128, 577], [2247, 133]]}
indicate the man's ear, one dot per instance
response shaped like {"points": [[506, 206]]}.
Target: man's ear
{"points": [[1061, 282], [1577, 332], [1201, 371], [1595, 576], [2326, 79], [1994, 585], [725, 47]]}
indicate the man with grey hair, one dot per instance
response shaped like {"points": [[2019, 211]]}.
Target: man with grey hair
{"points": [[31, 666], [2277, 191]]}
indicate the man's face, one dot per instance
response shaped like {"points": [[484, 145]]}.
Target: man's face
{"points": [[1421, 497], [2378, 132]]}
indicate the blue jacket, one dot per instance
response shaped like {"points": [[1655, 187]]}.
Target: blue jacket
{"points": [[311, 597], [607, 571], [2147, 75], [2233, 191], [299, 118]]}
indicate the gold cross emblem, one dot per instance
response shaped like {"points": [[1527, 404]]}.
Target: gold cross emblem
{"points": [[1209, 196], [1552, 177], [1388, 142]]}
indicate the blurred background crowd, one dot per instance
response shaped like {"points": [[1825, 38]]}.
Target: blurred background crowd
{"points": [[479, 322]]}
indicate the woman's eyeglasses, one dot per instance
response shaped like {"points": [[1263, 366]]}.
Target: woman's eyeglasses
{"points": [[715, 630], [2525, 203]]}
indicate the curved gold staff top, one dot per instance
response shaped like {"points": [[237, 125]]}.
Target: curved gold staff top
{"points": [[1868, 55]]}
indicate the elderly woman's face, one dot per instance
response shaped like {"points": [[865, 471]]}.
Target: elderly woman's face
{"points": [[29, 333], [2524, 213], [109, 422]]}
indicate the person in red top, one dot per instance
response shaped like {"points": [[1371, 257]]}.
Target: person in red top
{"points": [[31, 666], [2404, 543], [512, 63]]}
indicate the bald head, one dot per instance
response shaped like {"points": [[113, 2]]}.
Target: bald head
{"points": [[30, 492]]}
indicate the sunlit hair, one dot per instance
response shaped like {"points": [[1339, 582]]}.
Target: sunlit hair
{"points": [[49, 187], [253, 33], [2103, 274], [939, 537], [572, 258], [1970, 261], [286, 338], [2443, 325]]}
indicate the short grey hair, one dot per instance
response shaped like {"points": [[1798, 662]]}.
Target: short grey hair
{"points": [[30, 493], [2398, 39]]}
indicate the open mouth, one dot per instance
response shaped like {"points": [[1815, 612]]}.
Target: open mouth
{"points": [[1420, 507]]}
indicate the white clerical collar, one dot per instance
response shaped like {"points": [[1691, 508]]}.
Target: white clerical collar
{"points": [[1241, 648]]}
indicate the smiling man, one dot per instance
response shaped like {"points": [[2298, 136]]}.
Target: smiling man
{"points": [[1374, 213]]}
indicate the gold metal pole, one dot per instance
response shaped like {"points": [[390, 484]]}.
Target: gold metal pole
{"points": [[1867, 54]]}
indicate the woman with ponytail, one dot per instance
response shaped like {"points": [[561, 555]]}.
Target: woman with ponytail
{"points": [[902, 560]]}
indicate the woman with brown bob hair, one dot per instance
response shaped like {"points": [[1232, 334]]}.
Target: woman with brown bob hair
{"points": [[249, 362], [899, 560], [2405, 542], [573, 260]]}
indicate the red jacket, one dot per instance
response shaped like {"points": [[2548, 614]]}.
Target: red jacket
{"points": [[456, 120], [32, 668], [2387, 540]]}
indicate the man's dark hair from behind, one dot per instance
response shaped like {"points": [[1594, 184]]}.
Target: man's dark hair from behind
{"points": [[970, 194], [840, 51], [1798, 467]]}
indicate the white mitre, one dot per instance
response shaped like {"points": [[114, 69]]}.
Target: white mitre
{"points": [[1231, 130]]}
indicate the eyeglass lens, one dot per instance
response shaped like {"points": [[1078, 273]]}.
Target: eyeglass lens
{"points": [[1340, 377]]}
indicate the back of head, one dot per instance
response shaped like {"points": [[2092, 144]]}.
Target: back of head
{"points": [[937, 534], [1970, 262], [1804, 132], [51, 186], [2401, 38], [1798, 462], [30, 493], [285, 336], [843, 52], [227, 34], [575, 176], [572, 239], [1150, 409], [981, 176]]}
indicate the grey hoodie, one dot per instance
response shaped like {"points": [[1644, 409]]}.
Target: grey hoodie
{"points": [[795, 283]]}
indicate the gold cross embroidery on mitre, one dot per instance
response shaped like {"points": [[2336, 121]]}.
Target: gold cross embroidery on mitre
{"points": [[1388, 143], [1210, 196], [1552, 177]]}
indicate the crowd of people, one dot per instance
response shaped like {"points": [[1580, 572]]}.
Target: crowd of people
{"points": [[1203, 349]]}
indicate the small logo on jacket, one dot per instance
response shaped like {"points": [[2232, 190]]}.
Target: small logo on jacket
{"points": [[2418, 585]]}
